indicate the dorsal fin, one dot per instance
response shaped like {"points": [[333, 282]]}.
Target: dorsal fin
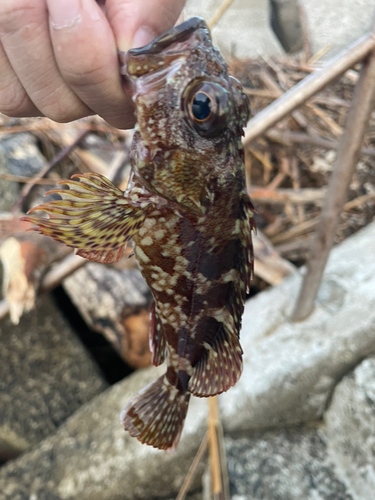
{"points": [[158, 342], [247, 226]]}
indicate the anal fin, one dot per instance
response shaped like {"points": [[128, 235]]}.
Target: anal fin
{"points": [[94, 216], [220, 366]]}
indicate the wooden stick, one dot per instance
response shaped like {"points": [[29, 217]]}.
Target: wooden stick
{"points": [[308, 87], [193, 468], [63, 153], [27, 180], [219, 13], [347, 157], [213, 418], [289, 137]]}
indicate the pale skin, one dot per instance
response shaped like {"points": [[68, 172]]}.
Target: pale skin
{"points": [[58, 58]]}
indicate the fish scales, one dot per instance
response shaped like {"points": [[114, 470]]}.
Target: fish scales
{"points": [[189, 216]]}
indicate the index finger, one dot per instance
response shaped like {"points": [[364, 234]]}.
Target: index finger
{"points": [[136, 22]]}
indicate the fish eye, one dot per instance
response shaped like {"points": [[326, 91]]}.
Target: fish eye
{"points": [[201, 106], [206, 106]]}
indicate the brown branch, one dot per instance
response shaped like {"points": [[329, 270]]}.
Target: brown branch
{"points": [[60, 156], [288, 137], [213, 418], [27, 180], [193, 469], [347, 157], [305, 195], [219, 13]]}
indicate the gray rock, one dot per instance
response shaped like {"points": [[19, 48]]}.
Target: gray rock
{"points": [[286, 23], [19, 155], [9, 191], [244, 29], [91, 457], [291, 369], [290, 372], [286, 464], [337, 23], [350, 424], [23, 155], [45, 376]]}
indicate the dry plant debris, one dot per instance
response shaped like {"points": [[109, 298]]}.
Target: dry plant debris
{"points": [[289, 167]]}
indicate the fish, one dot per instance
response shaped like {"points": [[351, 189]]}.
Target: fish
{"points": [[187, 211]]}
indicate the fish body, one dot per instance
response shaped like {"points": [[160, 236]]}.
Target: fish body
{"points": [[189, 216]]}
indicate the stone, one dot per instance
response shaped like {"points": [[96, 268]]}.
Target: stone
{"points": [[19, 155], [290, 372], [243, 30], [45, 376], [286, 23], [91, 457], [335, 24], [350, 427], [285, 464], [291, 369]]}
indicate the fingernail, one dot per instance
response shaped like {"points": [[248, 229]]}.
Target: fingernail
{"points": [[64, 14], [143, 37]]}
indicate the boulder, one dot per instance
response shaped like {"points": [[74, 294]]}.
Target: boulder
{"points": [[285, 464], [244, 29], [45, 376], [335, 24], [350, 423]]}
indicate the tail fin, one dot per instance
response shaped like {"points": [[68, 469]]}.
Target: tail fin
{"points": [[156, 415]]}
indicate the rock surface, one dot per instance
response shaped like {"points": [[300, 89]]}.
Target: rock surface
{"points": [[91, 457], [350, 423], [335, 24], [290, 373], [286, 464], [45, 376], [19, 155], [244, 29]]}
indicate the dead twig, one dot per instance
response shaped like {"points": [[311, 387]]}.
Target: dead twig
{"points": [[65, 152], [193, 468], [219, 13], [27, 180], [288, 137], [347, 157], [308, 87], [298, 196]]}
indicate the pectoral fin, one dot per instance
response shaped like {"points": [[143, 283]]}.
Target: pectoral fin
{"points": [[93, 216]]}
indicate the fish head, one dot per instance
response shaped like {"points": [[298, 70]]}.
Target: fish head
{"points": [[190, 114]]}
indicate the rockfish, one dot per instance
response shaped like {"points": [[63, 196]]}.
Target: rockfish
{"points": [[188, 213]]}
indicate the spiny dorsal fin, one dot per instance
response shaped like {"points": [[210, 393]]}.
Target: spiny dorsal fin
{"points": [[93, 216], [248, 225], [158, 342]]}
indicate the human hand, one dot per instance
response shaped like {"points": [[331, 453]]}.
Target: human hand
{"points": [[58, 58]]}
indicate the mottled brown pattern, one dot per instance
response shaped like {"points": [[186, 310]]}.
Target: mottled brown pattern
{"points": [[190, 218]]}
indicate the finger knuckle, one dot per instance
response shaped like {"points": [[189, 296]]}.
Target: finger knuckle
{"points": [[13, 14], [14, 101]]}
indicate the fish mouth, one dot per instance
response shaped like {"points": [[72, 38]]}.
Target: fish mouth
{"points": [[176, 34]]}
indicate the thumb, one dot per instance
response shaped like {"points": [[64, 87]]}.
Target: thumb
{"points": [[136, 22]]}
